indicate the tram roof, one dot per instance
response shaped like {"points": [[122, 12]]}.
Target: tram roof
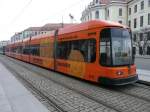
{"points": [[90, 25]]}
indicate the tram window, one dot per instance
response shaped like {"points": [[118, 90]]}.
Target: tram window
{"points": [[14, 49], [19, 49], [105, 55], [64, 49], [26, 50], [86, 48], [11, 49], [35, 50], [46, 50], [92, 51], [6, 49]]}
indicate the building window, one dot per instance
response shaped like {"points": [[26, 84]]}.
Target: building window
{"points": [[148, 36], [96, 1], [140, 50], [120, 11], [88, 18], [129, 23], [141, 36], [148, 50], [142, 5], [134, 37], [108, 13], [135, 8], [120, 22], [90, 15], [135, 23], [148, 18], [134, 50], [97, 14], [149, 3], [129, 11], [141, 21]]}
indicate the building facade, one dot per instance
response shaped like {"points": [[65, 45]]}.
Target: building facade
{"points": [[133, 13], [16, 37], [27, 33], [33, 31], [4, 43]]}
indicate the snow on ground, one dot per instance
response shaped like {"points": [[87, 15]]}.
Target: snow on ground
{"points": [[144, 75]]}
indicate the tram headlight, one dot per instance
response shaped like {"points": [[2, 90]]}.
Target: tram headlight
{"points": [[119, 73]]}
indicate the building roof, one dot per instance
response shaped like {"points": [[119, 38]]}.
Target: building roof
{"points": [[108, 1], [48, 27], [33, 29], [104, 1], [54, 26]]}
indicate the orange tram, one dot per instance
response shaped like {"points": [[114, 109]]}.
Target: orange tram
{"points": [[98, 51]]}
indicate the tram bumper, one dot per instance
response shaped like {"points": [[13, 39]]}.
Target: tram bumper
{"points": [[120, 81]]}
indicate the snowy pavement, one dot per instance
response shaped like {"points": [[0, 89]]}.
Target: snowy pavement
{"points": [[144, 75], [14, 97]]}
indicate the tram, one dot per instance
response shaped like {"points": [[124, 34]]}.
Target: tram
{"points": [[98, 51], [2, 50]]}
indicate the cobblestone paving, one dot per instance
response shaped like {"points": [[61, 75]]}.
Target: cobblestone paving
{"points": [[67, 99], [142, 91], [120, 101], [39, 97]]}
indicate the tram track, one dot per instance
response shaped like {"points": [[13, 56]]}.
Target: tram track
{"points": [[127, 91], [144, 83], [137, 90], [77, 91], [110, 109], [89, 93], [36, 91], [123, 90]]}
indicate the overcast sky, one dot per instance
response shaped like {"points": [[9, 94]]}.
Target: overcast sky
{"points": [[17, 15]]}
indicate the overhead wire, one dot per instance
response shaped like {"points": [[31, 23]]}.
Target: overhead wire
{"points": [[21, 12], [56, 14], [64, 10]]}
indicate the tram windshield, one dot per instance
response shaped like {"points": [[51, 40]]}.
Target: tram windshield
{"points": [[115, 47]]}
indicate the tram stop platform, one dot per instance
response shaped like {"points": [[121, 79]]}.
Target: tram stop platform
{"points": [[14, 97]]}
